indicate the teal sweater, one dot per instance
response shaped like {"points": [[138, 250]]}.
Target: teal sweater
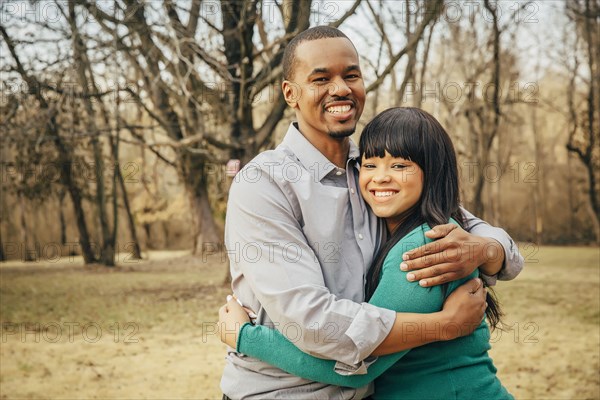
{"points": [[456, 369]]}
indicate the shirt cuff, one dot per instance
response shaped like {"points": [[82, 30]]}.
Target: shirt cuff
{"points": [[513, 262], [368, 329], [490, 280], [356, 369]]}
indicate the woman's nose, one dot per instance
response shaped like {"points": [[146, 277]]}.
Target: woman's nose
{"points": [[381, 178]]}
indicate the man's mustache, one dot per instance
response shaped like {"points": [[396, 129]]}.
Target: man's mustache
{"points": [[341, 98]]}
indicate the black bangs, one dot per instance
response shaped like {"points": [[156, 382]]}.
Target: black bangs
{"points": [[396, 131]]}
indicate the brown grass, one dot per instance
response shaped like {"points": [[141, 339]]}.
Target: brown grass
{"points": [[144, 329]]}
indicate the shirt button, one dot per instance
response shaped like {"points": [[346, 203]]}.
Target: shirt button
{"points": [[338, 172], [360, 236], [352, 190]]}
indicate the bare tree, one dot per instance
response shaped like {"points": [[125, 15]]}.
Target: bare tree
{"points": [[48, 113], [476, 66], [187, 84], [87, 81], [584, 134]]}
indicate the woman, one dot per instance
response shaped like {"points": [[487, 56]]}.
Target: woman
{"points": [[409, 177]]}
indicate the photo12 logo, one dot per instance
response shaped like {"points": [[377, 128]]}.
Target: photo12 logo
{"points": [[54, 332]]}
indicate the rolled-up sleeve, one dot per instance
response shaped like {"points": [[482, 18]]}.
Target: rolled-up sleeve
{"points": [[513, 261], [267, 248]]}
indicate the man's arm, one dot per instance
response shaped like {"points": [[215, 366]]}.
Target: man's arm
{"points": [[509, 262], [456, 253]]}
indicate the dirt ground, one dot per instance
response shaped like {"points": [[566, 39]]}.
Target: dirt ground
{"points": [[144, 330]]}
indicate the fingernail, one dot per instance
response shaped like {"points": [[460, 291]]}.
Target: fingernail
{"points": [[405, 257], [422, 282], [410, 277], [229, 297], [404, 267], [239, 302], [252, 315]]}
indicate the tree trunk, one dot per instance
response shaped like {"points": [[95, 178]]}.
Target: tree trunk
{"points": [[67, 180], [593, 196], [115, 202], [61, 216], [592, 38], [148, 231], [538, 188], [137, 253], [206, 233], [478, 208], [25, 255], [107, 252], [409, 71]]}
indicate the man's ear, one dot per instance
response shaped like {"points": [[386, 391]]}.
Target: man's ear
{"points": [[291, 92]]}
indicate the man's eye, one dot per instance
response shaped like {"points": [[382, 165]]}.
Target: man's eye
{"points": [[318, 80], [352, 76]]}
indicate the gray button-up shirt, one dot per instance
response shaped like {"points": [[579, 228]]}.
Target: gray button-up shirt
{"points": [[300, 240]]}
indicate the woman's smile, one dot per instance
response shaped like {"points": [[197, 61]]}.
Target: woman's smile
{"points": [[382, 195]]}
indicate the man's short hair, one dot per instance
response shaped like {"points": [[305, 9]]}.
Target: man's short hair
{"points": [[315, 33]]}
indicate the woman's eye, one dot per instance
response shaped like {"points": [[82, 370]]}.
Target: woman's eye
{"points": [[368, 166], [399, 166]]}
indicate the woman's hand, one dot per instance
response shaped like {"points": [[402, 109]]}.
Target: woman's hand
{"points": [[231, 318]]}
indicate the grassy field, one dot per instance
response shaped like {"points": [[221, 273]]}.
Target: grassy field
{"points": [[144, 329]]}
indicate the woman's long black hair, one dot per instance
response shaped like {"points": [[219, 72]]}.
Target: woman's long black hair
{"points": [[415, 135]]}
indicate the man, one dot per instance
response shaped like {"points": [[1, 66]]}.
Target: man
{"points": [[300, 239]]}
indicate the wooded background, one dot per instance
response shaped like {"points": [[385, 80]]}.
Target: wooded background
{"points": [[118, 117]]}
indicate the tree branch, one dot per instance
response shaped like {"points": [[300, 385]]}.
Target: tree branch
{"points": [[434, 9]]}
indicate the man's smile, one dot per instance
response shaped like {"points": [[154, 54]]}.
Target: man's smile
{"points": [[340, 110]]}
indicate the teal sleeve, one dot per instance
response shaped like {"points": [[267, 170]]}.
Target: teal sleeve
{"points": [[394, 292]]}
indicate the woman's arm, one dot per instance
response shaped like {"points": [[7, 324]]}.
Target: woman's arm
{"points": [[272, 347], [393, 292]]}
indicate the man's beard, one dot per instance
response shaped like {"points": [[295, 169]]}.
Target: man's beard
{"points": [[341, 134]]}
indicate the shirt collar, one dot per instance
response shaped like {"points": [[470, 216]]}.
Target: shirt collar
{"points": [[354, 153], [309, 156]]}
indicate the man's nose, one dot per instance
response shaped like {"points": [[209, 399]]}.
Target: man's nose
{"points": [[339, 88]]}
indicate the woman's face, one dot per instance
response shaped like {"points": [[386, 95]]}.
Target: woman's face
{"points": [[391, 186]]}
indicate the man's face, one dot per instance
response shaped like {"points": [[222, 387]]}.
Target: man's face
{"points": [[326, 88]]}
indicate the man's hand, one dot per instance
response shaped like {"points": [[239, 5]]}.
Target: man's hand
{"points": [[464, 309], [231, 318], [454, 255]]}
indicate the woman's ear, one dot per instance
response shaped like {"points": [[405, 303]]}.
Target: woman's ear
{"points": [[291, 93]]}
